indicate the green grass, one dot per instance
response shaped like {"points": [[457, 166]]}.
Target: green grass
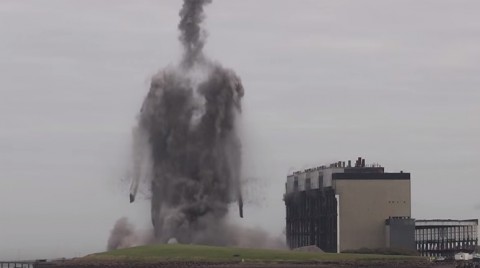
{"points": [[213, 254]]}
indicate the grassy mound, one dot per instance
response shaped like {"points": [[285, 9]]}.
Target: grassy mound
{"points": [[197, 253]]}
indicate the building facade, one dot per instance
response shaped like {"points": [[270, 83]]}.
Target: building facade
{"points": [[346, 207]]}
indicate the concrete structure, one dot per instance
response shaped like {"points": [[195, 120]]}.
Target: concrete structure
{"points": [[446, 237], [351, 202], [400, 232]]}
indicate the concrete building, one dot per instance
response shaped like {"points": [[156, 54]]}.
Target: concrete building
{"points": [[445, 238], [399, 232], [346, 207]]}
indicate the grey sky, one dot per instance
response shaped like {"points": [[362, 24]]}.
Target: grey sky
{"points": [[393, 81]]}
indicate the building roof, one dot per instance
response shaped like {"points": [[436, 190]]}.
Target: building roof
{"points": [[371, 176], [446, 222]]}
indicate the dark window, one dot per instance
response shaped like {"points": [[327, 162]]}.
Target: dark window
{"points": [[308, 184], [320, 181], [295, 184]]}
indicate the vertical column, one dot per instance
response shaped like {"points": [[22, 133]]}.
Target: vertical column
{"points": [[445, 239], [295, 231], [422, 239], [297, 228], [470, 235], [317, 213], [302, 223], [337, 198], [304, 218], [429, 230], [425, 241], [467, 237], [449, 237], [307, 221], [299, 221], [454, 237], [452, 232], [294, 226]]}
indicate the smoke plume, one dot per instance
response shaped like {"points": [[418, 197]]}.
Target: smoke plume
{"points": [[191, 34], [186, 145]]}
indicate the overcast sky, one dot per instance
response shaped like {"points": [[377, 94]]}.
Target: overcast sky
{"points": [[396, 82]]}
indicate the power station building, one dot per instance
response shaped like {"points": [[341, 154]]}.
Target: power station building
{"points": [[346, 207], [343, 207]]}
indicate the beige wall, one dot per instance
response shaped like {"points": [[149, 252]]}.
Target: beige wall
{"points": [[364, 206]]}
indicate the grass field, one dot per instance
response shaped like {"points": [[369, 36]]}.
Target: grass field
{"points": [[213, 254]]}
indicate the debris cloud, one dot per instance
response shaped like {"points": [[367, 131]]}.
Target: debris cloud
{"points": [[186, 144], [187, 150], [124, 235]]}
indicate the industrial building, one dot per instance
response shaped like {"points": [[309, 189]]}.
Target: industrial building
{"points": [[444, 238], [346, 207]]}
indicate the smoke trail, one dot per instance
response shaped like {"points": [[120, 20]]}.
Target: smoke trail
{"points": [[193, 153], [191, 34]]}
